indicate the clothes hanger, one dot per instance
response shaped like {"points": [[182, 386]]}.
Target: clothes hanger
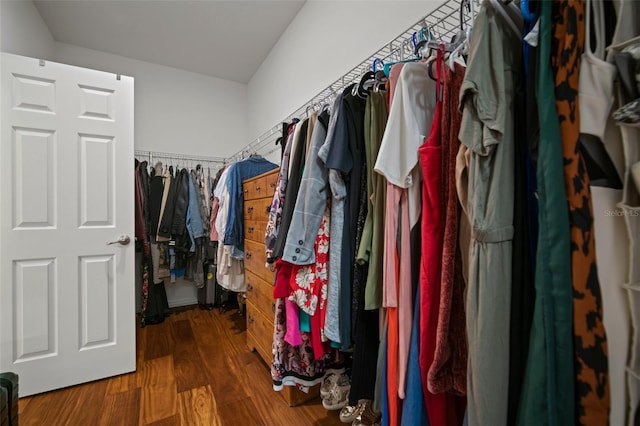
{"points": [[463, 4], [417, 50], [372, 79], [379, 75], [405, 43], [361, 88], [501, 7], [463, 45]]}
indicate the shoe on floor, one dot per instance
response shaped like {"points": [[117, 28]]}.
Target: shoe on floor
{"points": [[337, 399], [331, 381], [328, 383], [350, 412], [368, 417]]}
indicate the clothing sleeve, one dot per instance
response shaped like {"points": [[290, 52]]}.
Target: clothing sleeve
{"points": [[232, 183], [214, 214], [310, 205], [223, 205], [482, 95], [338, 156], [408, 125]]}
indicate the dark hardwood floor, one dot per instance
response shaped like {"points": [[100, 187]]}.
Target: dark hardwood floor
{"points": [[193, 369]]}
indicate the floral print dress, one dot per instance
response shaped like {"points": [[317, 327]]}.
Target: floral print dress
{"points": [[304, 365]]}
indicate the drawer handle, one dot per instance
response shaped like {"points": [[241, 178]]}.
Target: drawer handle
{"points": [[250, 230], [247, 255], [249, 209], [249, 287], [268, 209], [250, 319], [246, 191], [272, 185], [258, 188]]}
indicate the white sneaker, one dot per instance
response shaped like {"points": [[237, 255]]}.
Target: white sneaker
{"points": [[337, 399], [331, 380]]}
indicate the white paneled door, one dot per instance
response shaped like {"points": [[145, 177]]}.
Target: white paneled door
{"points": [[66, 190]]}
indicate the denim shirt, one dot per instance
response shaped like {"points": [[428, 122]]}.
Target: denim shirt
{"points": [[238, 172], [194, 220]]}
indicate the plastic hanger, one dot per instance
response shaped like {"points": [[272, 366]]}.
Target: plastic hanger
{"points": [[500, 8], [361, 89], [387, 66], [465, 37]]}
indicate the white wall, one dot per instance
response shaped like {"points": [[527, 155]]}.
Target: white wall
{"points": [[23, 32], [175, 111], [324, 41]]}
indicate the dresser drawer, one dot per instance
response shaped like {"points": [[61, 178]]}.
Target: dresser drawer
{"points": [[255, 259], [270, 183], [261, 329], [255, 188], [260, 293], [254, 343], [254, 230], [257, 210]]}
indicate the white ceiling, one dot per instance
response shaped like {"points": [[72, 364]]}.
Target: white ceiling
{"points": [[225, 39]]}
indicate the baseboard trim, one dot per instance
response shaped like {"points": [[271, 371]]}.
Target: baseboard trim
{"points": [[186, 301]]}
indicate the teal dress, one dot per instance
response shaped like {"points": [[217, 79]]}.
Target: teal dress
{"points": [[548, 389]]}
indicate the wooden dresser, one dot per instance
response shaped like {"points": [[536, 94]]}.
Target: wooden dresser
{"points": [[258, 194]]}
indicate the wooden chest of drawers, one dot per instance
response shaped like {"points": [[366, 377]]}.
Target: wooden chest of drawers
{"points": [[258, 194]]}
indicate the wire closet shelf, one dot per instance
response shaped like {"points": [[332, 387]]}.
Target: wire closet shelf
{"points": [[443, 23], [185, 160]]}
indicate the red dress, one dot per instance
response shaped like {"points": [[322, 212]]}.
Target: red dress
{"points": [[440, 407]]}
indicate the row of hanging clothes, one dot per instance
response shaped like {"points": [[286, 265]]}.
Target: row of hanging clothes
{"points": [[172, 216], [432, 229], [227, 219]]}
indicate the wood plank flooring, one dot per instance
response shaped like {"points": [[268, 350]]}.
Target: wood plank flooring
{"points": [[193, 369]]}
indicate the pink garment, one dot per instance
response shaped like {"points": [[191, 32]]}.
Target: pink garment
{"points": [[390, 298], [390, 284], [394, 74], [405, 293], [292, 336], [214, 214], [397, 289]]}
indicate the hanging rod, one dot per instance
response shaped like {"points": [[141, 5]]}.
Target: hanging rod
{"points": [[153, 155], [443, 22]]}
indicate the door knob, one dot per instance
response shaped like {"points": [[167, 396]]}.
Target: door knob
{"points": [[122, 240]]}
